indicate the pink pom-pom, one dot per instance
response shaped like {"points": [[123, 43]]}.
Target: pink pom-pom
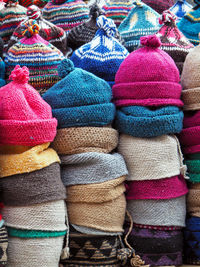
{"points": [[20, 75], [150, 41], [167, 17]]}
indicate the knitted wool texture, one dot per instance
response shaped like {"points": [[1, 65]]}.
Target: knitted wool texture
{"points": [[173, 41], [104, 54], [151, 158], [180, 8], [92, 231], [193, 170], [144, 122], [142, 20], [117, 10], [43, 252], [193, 200], [3, 246], [75, 140], [41, 57], [19, 160], [91, 168], [1, 47], [145, 83], [83, 103], [169, 212], [66, 14], [2, 72], [33, 188], [49, 216], [26, 3], [157, 189], [159, 5], [25, 118], [190, 80]]}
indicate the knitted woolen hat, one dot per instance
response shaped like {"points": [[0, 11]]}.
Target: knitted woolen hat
{"points": [[91, 168], [104, 54], [170, 212], [75, 140], [142, 20], [10, 17], [66, 13], [189, 25], [41, 57], [34, 252], [180, 8], [145, 83], [3, 245], [193, 169], [146, 122], [80, 98], [157, 247], [193, 200], [173, 41], [159, 5], [151, 158], [33, 188], [156, 189], [117, 10], [48, 31]]}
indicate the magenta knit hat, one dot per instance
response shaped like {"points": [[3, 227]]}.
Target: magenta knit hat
{"points": [[147, 77], [25, 118]]}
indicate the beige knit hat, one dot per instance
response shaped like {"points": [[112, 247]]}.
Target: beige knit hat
{"points": [[190, 80], [100, 206], [76, 140], [193, 200], [151, 158]]}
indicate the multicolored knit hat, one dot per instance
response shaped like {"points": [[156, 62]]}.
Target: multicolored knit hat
{"points": [[48, 31], [145, 83], [117, 10], [104, 54], [41, 57], [25, 118], [189, 25], [80, 98], [142, 20], [180, 8], [66, 13], [10, 17], [173, 41]]}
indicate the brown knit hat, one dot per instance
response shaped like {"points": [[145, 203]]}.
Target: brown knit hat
{"points": [[77, 140], [193, 200]]}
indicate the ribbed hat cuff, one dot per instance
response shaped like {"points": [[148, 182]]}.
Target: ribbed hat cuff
{"points": [[190, 140], [191, 98]]}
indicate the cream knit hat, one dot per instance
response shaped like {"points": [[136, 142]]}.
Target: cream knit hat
{"points": [[151, 158]]}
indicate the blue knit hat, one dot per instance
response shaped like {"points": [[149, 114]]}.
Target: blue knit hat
{"points": [[141, 121], [80, 98], [2, 73], [189, 25], [104, 54], [142, 20], [180, 8]]}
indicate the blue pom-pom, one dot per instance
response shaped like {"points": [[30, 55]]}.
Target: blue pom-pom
{"points": [[107, 25], [65, 67]]}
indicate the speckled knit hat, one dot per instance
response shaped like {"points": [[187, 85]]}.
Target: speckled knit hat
{"points": [[172, 40], [180, 8], [66, 13], [159, 5], [142, 20], [41, 57]]}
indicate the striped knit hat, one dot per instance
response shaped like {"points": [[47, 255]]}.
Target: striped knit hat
{"points": [[117, 9], [26, 3], [180, 8], [66, 13], [173, 41], [159, 5], [41, 57], [141, 20], [10, 17]]}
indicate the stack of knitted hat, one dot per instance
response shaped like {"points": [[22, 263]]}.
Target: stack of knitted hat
{"points": [[93, 175], [10, 17], [32, 190], [3, 240], [104, 54], [66, 13], [147, 95], [117, 9], [180, 8], [189, 25], [190, 140], [159, 5], [41, 57], [173, 41], [141, 20]]}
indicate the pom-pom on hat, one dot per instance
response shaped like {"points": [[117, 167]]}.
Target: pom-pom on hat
{"points": [[142, 20], [104, 54], [25, 119], [159, 5], [180, 8], [152, 80], [41, 57]]}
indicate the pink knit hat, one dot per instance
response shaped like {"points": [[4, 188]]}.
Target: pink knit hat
{"points": [[190, 135], [147, 77], [157, 189], [25, 118]]}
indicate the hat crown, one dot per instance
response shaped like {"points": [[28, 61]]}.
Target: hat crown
{"points": [[107, 25], [66, 66], [33, 12]]}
